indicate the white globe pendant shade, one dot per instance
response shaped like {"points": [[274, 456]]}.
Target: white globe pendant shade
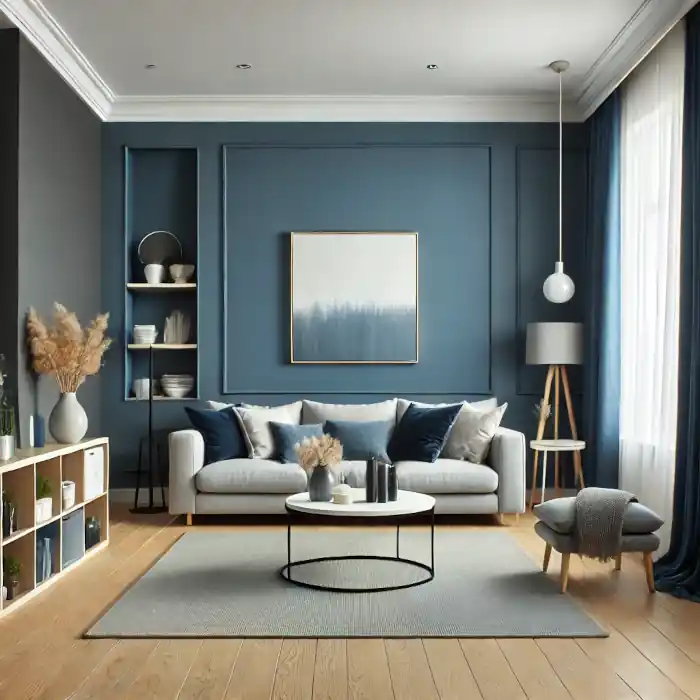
{"points": [[558, 287]]}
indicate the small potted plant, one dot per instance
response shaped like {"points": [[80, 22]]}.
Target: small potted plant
{"points": [[11, 571], [44, 502], [319, 457]]}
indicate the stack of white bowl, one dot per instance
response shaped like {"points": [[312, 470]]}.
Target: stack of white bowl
{"points": [[177, 386], [145, 335]]}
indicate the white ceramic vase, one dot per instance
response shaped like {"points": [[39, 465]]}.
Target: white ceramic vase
{"points": [[68, 421]]}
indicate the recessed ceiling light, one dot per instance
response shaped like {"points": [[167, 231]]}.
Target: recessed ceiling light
{"points": [[244, 66], [432, 66], [150, 66]]}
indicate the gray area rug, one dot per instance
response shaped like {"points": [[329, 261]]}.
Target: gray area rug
{"points": [[227, 584]]}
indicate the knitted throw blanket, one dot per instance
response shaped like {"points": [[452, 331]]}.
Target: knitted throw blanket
{"points": [[599, 515]]}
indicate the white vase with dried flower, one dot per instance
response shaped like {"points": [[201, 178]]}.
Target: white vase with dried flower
{"points": [[70, 354], [319, 457]]}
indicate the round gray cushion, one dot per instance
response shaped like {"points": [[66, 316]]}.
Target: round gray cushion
{"points": [[560, 515]]}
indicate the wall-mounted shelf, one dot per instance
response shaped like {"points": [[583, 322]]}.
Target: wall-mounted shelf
{"points": [[164, 287], [163, 346], [161, 193]]}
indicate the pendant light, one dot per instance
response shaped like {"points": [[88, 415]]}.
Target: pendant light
{"points": [[559, 287]]}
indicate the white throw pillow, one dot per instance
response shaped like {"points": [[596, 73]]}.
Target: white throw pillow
{"points": [[315, 412], [255, 422], [218, 405], [472, 432]]}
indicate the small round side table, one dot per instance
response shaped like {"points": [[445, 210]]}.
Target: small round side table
{"points": [[545, 446]]}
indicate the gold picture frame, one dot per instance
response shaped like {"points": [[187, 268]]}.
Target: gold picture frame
{"points": [[337, 316]]}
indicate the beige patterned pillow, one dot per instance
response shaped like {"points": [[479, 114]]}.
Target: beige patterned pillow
{"points": [[472, 432]]}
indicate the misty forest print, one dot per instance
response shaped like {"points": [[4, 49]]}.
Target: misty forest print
{"points": [[354, 297]]}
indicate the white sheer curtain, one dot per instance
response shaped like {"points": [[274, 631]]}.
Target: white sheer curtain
{"points": [[652, 120]]}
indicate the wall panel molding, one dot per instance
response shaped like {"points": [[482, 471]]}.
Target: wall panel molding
{"points": [[230, 387]]}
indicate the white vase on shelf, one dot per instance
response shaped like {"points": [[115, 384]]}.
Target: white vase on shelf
{"points": [[68, 421]]}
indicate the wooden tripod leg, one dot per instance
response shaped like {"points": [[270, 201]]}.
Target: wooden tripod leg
{"points": [[557, 376], [540, 430], [578, 468]]}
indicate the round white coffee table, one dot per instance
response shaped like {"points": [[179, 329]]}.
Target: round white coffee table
{"points": [[409, 505]]}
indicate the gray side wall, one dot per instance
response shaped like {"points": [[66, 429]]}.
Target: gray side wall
{"points": [[59, 214], [9, 133]]}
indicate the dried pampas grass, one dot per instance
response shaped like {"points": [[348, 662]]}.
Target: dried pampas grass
{"points": [[65, 350], [325, 452]]}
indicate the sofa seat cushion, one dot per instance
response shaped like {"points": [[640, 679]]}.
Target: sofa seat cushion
{"points": [[250, 476], [446, 476]]}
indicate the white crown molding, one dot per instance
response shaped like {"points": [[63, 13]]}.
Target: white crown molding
{"points": [[52, 42], [644, 30], [650, 23], [314, 108]]}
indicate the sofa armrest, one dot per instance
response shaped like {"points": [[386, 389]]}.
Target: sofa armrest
{"points": [[507, 457], [186, 449]]}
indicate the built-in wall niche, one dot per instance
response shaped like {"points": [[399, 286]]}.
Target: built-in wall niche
{"points": [[161, 194]]}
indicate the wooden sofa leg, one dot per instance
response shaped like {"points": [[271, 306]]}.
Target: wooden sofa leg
{"points": [[618, 562], [189, 519], [547, 554], [501, 519], [564, 576], [649, 568]]}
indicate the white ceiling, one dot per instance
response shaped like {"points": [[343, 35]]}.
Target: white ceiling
{"points": [[485, 49]]}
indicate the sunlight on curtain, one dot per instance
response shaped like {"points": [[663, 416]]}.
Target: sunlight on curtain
{"points": [[652, 119]]}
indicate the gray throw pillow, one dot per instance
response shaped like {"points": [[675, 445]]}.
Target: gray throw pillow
{"points": [[560, 515], [361, 440]]}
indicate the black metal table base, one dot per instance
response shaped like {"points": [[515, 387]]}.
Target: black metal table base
{"points": [[287, 569]]}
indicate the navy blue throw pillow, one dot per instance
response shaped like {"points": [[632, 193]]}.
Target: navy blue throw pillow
{"points": [[422, 432], [361, 440], [221, 431], [287, 436]]}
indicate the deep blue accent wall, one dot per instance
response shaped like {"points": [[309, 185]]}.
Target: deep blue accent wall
{"points": [[483, 198]]}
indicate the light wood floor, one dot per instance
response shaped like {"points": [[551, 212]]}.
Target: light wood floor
{"points": [[653, 651]]}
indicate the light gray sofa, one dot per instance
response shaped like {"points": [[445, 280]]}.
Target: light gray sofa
{"points": [[260, 486]]}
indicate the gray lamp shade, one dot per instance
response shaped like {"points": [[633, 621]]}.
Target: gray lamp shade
{"points": [[554, 344]]}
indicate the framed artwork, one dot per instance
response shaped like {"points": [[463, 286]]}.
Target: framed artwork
{"points": [[354, 297]]}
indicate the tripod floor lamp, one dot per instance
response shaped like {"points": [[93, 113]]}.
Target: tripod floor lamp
{"points": [[556, 345]]}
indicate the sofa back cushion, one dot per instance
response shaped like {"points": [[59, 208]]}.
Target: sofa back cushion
{"points": [[361, 440], [403, 404], [315, 412], [221, 431]]}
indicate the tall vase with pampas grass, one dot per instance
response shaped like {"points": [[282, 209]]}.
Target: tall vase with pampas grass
{"points": [[69, 353]]}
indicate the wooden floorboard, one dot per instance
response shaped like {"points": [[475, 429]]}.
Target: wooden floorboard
{"points": [[652, 653]]}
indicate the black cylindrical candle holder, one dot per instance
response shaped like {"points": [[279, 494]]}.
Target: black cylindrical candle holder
{"points": [[371, 481], [382, 483], [393, 484]]}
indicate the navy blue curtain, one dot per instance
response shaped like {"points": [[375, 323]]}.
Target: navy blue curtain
{"points": [[678, 572], [601, 389]]}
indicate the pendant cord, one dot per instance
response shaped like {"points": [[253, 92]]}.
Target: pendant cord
{"points": [[561, 166]]}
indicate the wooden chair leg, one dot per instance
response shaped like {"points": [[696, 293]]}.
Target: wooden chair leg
{"points": [[189, 519], [649, 568], [547, 554], [618, 562], [564, 576]]}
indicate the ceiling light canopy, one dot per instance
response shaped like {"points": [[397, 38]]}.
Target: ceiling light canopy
{"points": [[432, 66], [244, 66]]}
